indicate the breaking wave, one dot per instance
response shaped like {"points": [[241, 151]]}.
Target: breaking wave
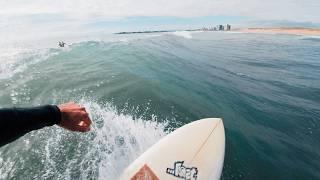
{"points": [[185, 34], [13, 61], [113, 143]]}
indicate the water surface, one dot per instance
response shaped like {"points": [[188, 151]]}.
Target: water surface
{"points": [[137, 88]]}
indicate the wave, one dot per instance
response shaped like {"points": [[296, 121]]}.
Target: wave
{"points": [[13, 61], [310, 38], [114, 142], [185, 34], [121, 137]]}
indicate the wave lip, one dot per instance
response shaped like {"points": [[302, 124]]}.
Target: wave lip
{"points": [[114, 142], [120, 140], [14, 61], [185, 34]]}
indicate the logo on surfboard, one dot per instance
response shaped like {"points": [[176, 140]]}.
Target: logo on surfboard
{"points": [[180, 171]]}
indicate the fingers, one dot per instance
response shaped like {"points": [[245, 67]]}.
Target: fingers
{"points": [[80, 127], [85, 118], [83, 127], [87, 121]]}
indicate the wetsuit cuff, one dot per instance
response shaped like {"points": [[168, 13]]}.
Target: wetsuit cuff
{"points": [[57, 114]]}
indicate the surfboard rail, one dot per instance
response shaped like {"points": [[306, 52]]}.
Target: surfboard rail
{"points": [[194, 151]]}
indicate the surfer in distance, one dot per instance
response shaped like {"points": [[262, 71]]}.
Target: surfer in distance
{"points": [[16, 122], [61, 43]]}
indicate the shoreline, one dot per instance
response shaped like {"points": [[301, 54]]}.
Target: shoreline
{"points": [[292, 31]]}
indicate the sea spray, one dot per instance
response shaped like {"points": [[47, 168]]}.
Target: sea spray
{"points": [[114, 141], [13, 61]]}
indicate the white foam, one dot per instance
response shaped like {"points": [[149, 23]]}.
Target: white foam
{"points": [[154, 35], [114, 141], [15, 60], [124, 137], [6, 168], [185, 34], [309, 37]]}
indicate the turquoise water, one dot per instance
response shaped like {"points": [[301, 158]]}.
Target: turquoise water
{"points": [[138, 88]]}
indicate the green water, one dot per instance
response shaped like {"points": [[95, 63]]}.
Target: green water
{"points": [[265, 87]]}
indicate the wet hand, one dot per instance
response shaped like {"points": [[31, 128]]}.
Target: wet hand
{"points": [[74, 117]]}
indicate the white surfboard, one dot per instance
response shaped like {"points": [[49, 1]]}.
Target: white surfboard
{"points": [[192, 152]]}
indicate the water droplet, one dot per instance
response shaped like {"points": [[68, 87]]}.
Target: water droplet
{"points": [[119, 141], [133, 140]]}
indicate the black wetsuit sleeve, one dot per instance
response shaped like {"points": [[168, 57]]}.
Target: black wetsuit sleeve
{"points": [[16, 122]]}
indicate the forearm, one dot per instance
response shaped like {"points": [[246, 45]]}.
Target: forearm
{"points": [[15, 122]]}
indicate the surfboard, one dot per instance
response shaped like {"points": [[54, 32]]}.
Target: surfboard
{"points": [[193, 152]]}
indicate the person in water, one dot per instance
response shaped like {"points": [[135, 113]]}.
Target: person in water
{"points": [[16, 122], [61, 44]]}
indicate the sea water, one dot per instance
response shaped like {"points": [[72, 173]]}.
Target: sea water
{"points": [[138, 88]]}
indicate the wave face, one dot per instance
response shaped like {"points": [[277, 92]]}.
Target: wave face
{"points": [[137, 88]]}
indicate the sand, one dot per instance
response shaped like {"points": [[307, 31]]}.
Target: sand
{"points": [[295, 31]]}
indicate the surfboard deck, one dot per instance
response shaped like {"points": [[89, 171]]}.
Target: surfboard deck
{"points": [[193, 152]]}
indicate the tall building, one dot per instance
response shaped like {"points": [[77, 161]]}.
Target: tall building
{"points": [[205, 29], [220, 28], [228, 27]]}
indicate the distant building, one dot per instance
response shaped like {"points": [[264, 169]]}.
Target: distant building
{"points": [[228, 27], [211, 29], [217, 28], [220, 28], [205, 29]]}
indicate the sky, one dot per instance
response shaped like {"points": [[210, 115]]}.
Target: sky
{"points": [[293, 10], [76, 16]]}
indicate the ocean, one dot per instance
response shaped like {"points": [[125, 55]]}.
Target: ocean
{"points": [[138, 88]]}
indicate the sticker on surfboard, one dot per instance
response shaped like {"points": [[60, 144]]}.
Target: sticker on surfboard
{"points": [[145, 173], [183, 172]]}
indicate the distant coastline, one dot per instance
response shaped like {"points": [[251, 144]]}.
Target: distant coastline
{"points": [[140, 32], [294, 31], [146, 32], [284, 30], [219, 27]]}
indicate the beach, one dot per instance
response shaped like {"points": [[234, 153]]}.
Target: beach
{"points": [[294, 31]]}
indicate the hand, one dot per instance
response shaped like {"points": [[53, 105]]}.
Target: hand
{"points": [[74, 117]]}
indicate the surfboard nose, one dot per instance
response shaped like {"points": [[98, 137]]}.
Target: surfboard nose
{"points": [[197, 149], [210, 156]]}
